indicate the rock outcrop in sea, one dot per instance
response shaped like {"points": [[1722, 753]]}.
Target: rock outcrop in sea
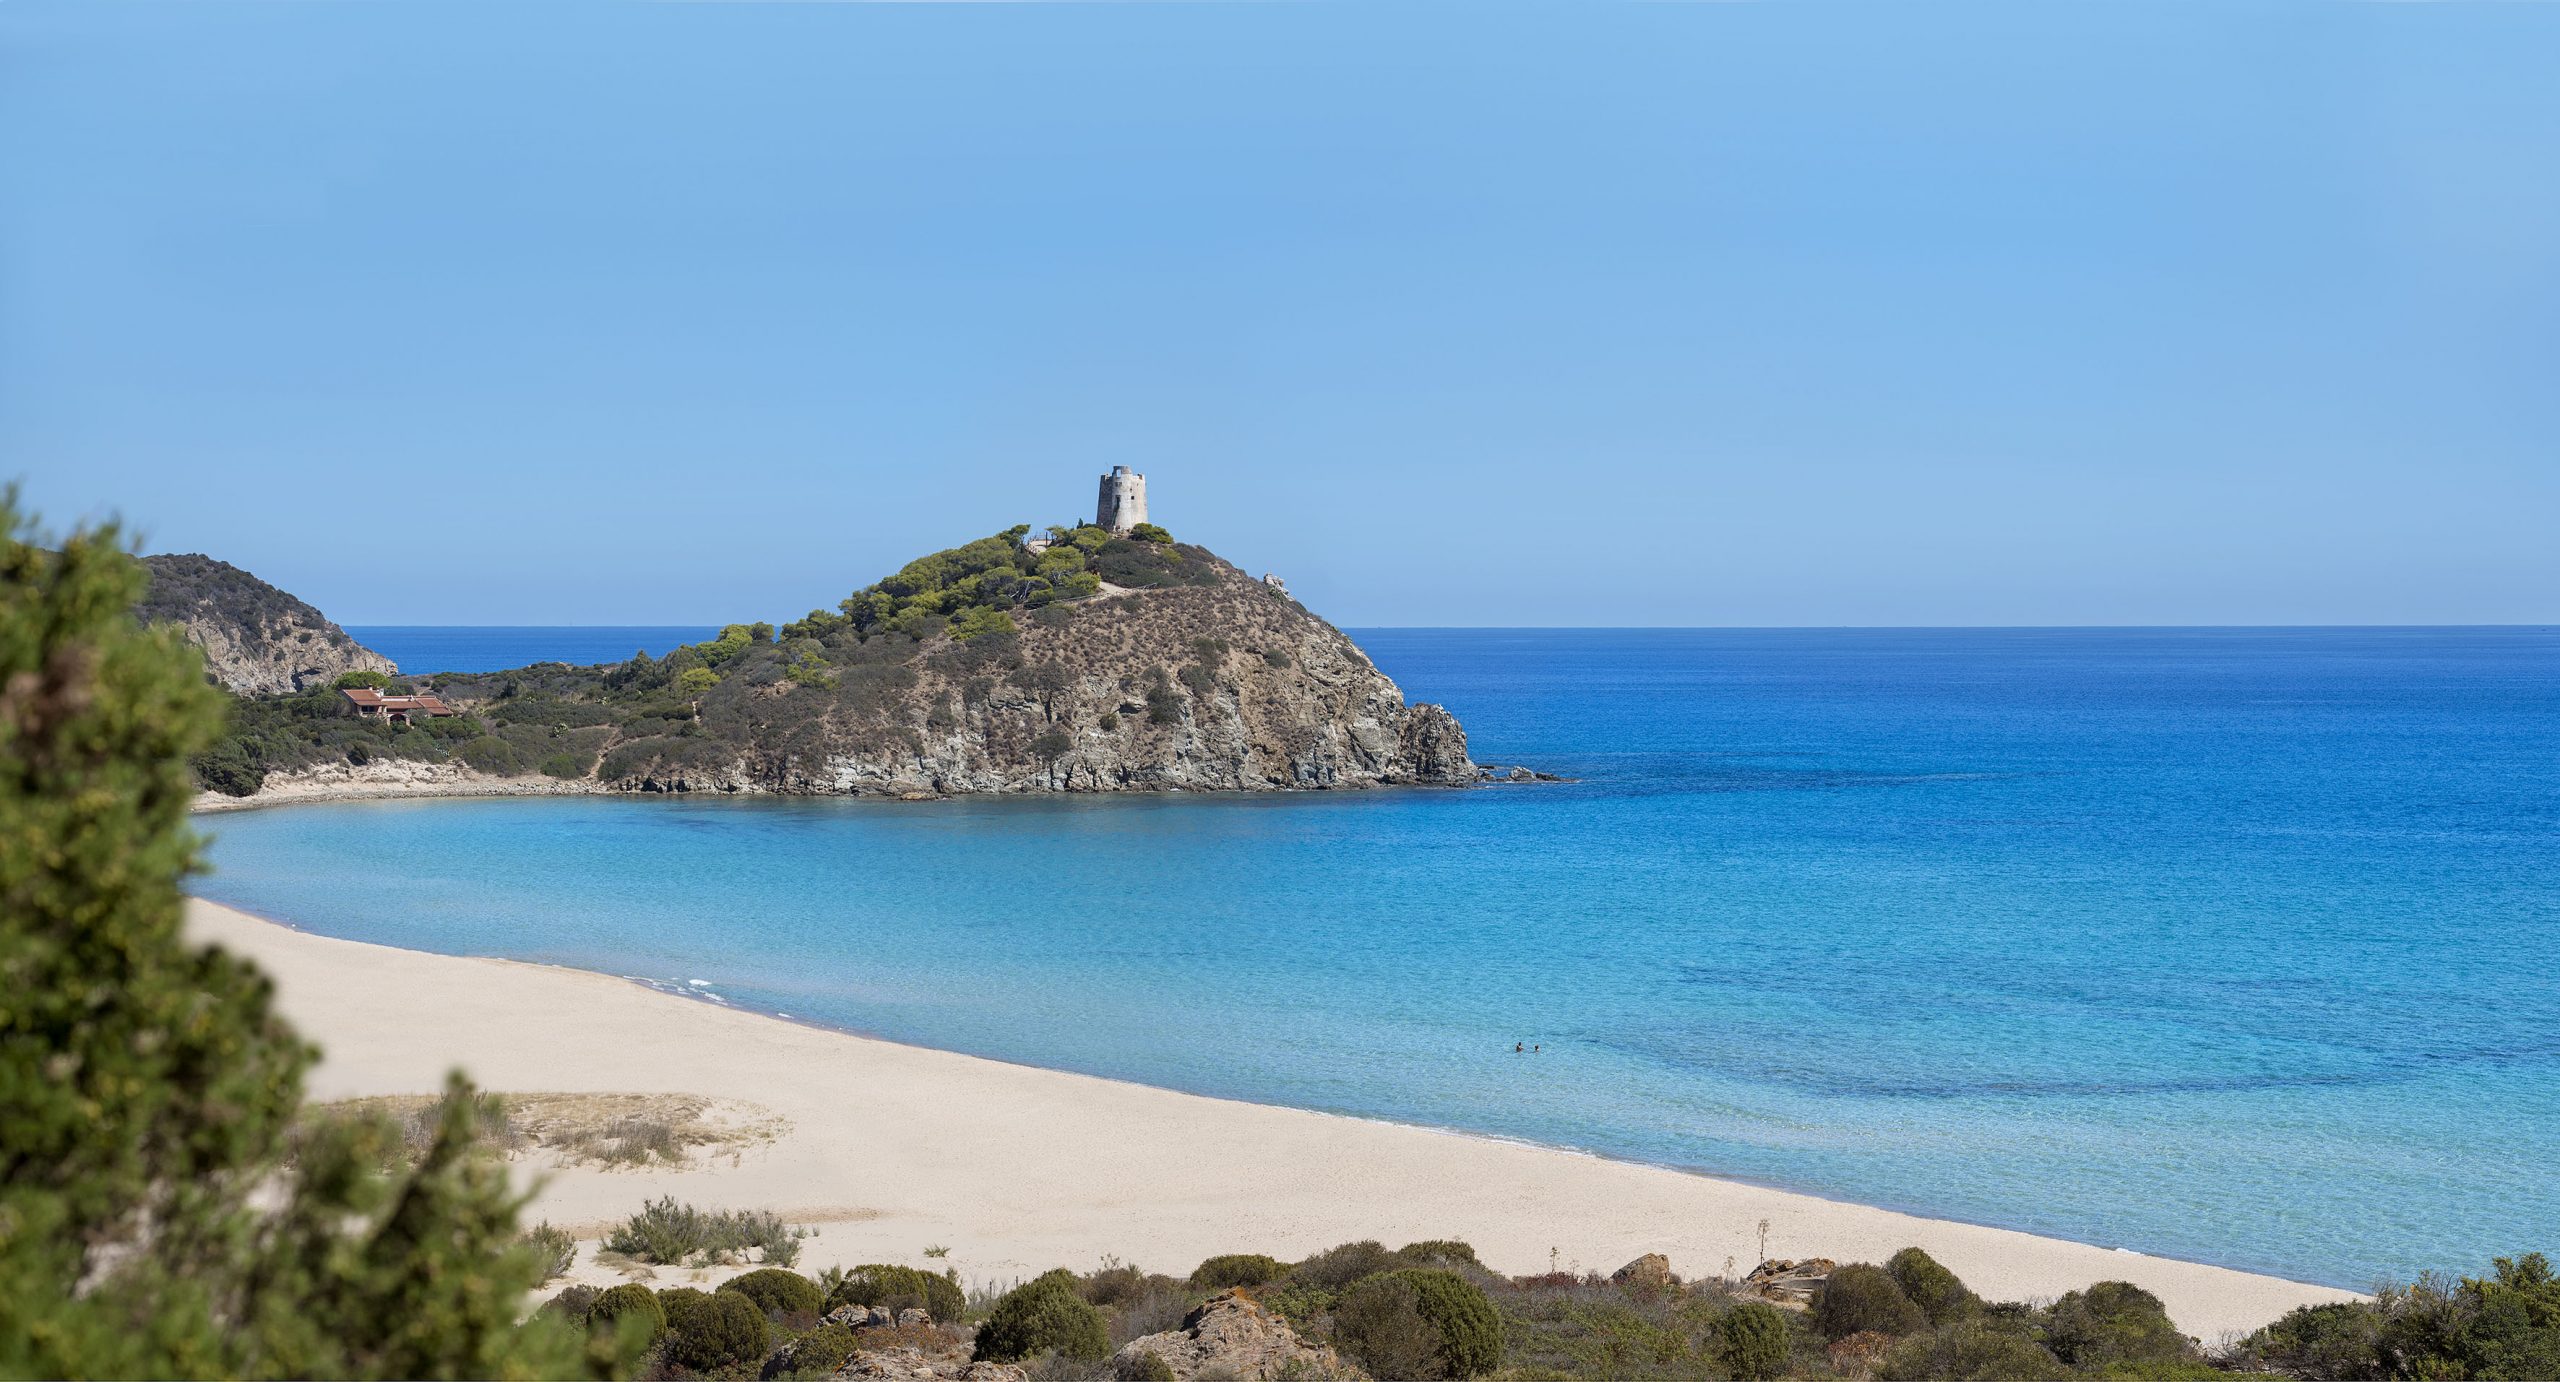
{"points": [[257, 640]]}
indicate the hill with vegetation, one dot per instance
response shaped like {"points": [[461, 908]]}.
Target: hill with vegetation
{"points": [[1082, 662], [257, 640]]}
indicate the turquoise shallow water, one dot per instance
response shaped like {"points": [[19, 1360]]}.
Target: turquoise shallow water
{"points": [[2229, 945]]}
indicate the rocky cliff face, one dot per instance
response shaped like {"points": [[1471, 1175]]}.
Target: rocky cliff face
{"points": [[257, 640], [1228, 686]]}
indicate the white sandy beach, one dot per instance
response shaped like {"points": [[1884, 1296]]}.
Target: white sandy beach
{"points": [[891, 1149]]}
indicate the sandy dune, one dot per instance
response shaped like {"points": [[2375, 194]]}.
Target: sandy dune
{"points": [[891, 1149]]}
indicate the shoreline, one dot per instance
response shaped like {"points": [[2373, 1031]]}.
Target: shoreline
{"points": [[891, 1149], [444, 781]]}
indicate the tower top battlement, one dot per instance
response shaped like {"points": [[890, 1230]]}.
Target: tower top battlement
{"points": [[1123, 502]]}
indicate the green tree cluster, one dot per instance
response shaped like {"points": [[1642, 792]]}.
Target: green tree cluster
{"points": [[155, 1217], [971, 590]]}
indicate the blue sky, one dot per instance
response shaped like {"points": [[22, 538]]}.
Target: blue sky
{"points": [[1747, 314]]}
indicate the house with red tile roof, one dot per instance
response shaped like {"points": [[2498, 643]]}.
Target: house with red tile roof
{"points": [[398, 710]]}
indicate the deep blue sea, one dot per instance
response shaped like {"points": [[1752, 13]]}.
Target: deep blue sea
{"points": [[2231, 945]]}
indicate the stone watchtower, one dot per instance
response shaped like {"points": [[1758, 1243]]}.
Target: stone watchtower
{"points": [[1124, 501]]}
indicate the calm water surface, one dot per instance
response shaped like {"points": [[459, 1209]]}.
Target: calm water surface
{"points": [[2229, 945]]}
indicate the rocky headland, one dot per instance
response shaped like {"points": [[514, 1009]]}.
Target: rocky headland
{"points": [[256, 639], [1087, 663]]}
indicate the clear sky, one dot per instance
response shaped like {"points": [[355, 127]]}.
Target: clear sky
{"points": [[1729, 314]]}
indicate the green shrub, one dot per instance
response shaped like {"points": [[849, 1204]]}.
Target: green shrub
{"points": [[1441, 1252], [552, 1247], [168, 1210], [1113, 1285], [1044, 1315], [1237, 1269], [981, 621], [669, 1232], [349, 681], [679, 1304], [227, 768], [568, 766], [490, 754], [1754, 1341], [2113, 1322], [572, 1304], [1969, 1352], [1146, 1366], [901, 1288], [1379, 1324], [1860, 1297], [2504, 1324], [1337, 1267], [632, 1299], [1933, 1288], [2341, 1339], [815, 1354], [708, 1333], [777, 1292], [1465, 1331]]}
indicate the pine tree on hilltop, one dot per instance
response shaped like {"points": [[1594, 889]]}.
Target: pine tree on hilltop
{"points": [[159, 1213]]}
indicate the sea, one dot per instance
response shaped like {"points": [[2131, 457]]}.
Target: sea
{"points": [[2234, 945]]}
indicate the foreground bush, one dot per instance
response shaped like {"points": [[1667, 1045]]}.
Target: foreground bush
{"points": [[1419, 1322], [777, 1292], [629, 1299], [1047, 1314], [1755, 1341], [2114, 1322], [156, 1218], [815, 1354], [2504, 1325], [1237, 1269], [707, 1333], [901, 1288], [1857, 1298], [1933, 1288], [1970, 1352]]}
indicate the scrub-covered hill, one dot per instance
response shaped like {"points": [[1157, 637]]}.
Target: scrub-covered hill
{"points": [[1084, 662], [257, 640]]}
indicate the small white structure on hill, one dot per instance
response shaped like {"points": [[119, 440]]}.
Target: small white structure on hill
{"points": [[1123, 504]]}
